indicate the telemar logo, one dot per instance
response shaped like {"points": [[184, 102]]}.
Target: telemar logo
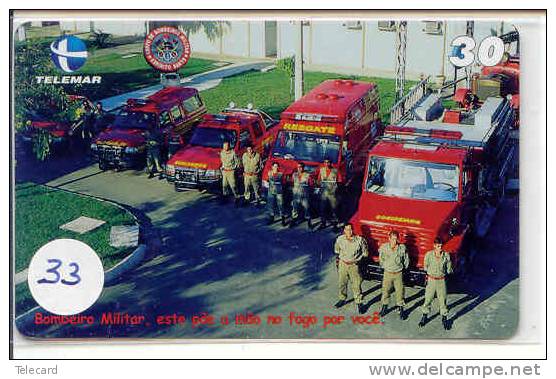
{"points": [[69, 54], [167, 49]]}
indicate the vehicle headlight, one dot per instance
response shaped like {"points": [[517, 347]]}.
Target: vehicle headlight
{"points": [[265, 183], [170, 170], [212, 173], [94, 146], [131, 150]]}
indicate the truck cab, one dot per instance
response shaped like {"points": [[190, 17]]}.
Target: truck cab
{"points": [[427, 178], [172, 111], [197, 165], [338, 120]]}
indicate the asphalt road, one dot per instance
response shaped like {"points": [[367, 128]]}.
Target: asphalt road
{"points": [[221, 260]]}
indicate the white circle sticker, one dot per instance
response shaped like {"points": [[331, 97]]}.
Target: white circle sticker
{"points": [[65, 276]]}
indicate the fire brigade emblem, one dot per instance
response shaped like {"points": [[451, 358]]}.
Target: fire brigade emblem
{"points": [[167, 49]]}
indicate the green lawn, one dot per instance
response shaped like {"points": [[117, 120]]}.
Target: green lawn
{"points": [[39, 212], [271, 91], [120, 75]]}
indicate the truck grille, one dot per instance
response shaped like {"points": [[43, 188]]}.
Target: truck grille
{"points": [[187, 175], [110, 153], [416, 240]]}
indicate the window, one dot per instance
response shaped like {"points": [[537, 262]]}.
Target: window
{"points": [[164, 119], [353, 25], [387, 26], [257, 129], [433, 27], [192, 104], [176, 114], [245, 139]]}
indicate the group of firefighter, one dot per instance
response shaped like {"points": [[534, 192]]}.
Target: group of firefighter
{"points": [[301, 184], [351, 249]]}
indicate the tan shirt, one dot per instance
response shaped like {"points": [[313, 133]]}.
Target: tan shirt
{"points": [[229, 160], [351, 251], [251, 162], [301, 183], [328, 180], [438, 266], [393, 260]]}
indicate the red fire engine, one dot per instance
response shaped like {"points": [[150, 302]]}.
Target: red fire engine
{"points": [[173, 111], [428, 178], [197, 165], [338, 120]]}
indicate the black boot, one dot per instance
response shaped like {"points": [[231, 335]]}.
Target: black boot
{"points": [[309, 224], [383, 310], [322, 224], [284, 223], [340, 303], [360, 308], [445, 323], [423, 321], [270, 220], [151, 175], [401, 311]]}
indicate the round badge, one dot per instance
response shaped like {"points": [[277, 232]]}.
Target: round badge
{"points": [[167, 49], [65, 276]]}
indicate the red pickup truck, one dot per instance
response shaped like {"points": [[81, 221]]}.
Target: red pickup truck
{"points": [[197, 165]]}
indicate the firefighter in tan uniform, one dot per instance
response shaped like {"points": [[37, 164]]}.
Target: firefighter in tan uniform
{"points": [[350, 249], [252, 167], [229, 165], [275, 194], [437, 265], [327, 180], [393, 259], [300, 196]]}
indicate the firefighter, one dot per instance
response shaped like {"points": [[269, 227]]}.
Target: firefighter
{"points": [[393, 259], [252, 167], [89, 120], [154, 141], [100, 121], [327, 180], [300, 197], [350, 249], [437, 265], [275, 197], [229, 165]]}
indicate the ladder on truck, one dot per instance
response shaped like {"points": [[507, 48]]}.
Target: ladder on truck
{"points": [[401, 110]]}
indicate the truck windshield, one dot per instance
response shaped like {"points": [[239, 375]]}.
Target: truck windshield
{"points": [[134, 120], [413, 179], [213, 137], [307, 146]]}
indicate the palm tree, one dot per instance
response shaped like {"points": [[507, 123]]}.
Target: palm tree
{"points": [[212, 29]]}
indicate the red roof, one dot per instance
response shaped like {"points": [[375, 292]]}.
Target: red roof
{"points": [[164, 99], [440, 154], [331, 97]]}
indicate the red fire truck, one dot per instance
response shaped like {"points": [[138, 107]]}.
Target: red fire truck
{"points": [[428, 178], [197, 165], [338, 120], [173, 111]]}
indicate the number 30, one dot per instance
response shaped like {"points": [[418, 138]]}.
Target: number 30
{"points": [[491, 51]]}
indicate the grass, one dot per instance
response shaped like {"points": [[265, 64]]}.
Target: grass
{"points": [[271, 91], [120, 75], [39, 211]]}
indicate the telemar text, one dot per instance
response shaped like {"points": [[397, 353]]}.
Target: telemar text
{"points": [[71, 79]]}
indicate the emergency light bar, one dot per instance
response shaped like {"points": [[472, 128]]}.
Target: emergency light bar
{"points": [[433, 133], [221, 118]]}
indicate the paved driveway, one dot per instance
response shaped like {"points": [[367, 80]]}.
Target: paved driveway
{"points": [[226, 261]]}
